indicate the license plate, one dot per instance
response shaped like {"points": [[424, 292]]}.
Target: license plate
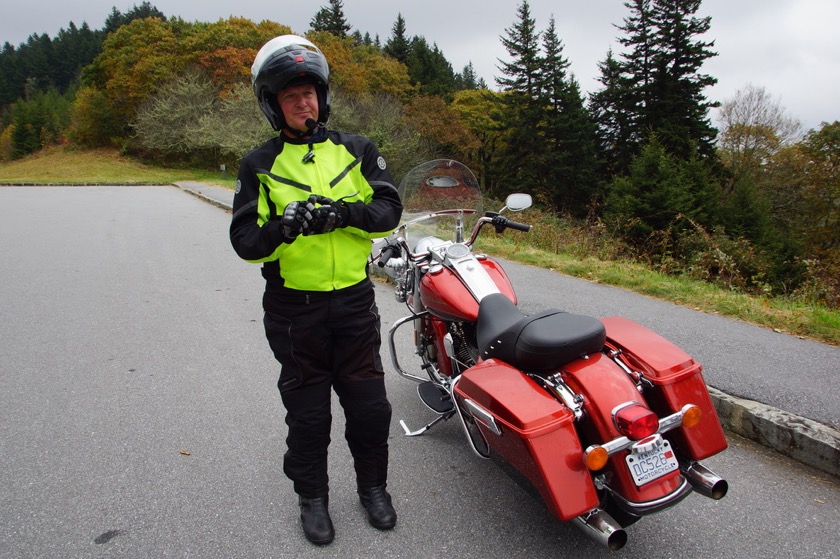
{"points": [[653, 464]]}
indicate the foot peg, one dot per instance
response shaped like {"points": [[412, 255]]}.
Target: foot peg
{"points": [[435, 397], [438, 400]]}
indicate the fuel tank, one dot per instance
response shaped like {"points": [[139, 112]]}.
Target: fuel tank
{"points": [[446, 296]]}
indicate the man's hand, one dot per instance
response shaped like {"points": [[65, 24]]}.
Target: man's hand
{"points": [[328, 216], [297, 219]]}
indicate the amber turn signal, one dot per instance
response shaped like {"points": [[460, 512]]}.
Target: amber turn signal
{"points": [[595, 457], [691, 416]]}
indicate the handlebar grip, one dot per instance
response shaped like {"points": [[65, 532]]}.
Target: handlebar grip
{"points": [[518, 226], [387, 254]]}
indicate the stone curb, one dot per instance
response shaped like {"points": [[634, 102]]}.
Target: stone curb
{"points": [[206, 197], [802, 439]]}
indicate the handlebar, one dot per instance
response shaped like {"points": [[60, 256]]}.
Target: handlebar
{"points": [[518, 226], [501, 223], [399, 244], [388, 253]]}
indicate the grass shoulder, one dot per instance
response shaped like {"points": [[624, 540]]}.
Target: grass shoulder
{"points": [[780, 314], [67, 165]]}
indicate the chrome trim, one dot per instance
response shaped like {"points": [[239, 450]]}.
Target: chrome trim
{"points": [[666, 424], [482, 415], [449, 345], [601, 527], [474, 276], [569, 398], [656, 505], [464, 424], [638, 377], [673, 421], [620, 407], [392, 347], [704, 481]]}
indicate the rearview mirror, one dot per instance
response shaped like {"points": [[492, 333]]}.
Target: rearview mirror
{"points": [[518, 202]]}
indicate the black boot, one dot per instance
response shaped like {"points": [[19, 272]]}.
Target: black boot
{"points": [[317, 524], [380, 511]]}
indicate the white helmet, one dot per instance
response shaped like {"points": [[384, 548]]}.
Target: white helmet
{"points": [[284, 61]]}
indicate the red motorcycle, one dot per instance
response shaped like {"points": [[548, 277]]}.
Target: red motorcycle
{"points": [[604, 419]]}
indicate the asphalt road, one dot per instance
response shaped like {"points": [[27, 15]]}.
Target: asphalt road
{"points": [[139, 415]]}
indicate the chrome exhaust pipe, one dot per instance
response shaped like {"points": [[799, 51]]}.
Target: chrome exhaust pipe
{"points": [[601, 527], [704, 481]]}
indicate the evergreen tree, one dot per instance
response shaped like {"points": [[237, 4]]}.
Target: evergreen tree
{"points": [[43, 62], [568, 160], [680, 114], [661, 193], [10, 82], [467, 78], [398, 46], [612, 113], [116, 19], [73, 49], [524, 111], [36, 65], [331, 19], [656, 87], [429, 69], [521, 75], [38, 121]]}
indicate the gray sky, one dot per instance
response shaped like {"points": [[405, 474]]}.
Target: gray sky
{"points": [[789, 47]]}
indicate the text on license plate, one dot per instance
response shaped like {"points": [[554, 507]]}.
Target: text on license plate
{"points": [[648, 466]]}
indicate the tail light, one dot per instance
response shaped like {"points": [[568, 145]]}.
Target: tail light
{"points": [[635, 421]]}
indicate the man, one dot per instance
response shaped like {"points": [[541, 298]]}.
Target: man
{"points": [[307, 204]]}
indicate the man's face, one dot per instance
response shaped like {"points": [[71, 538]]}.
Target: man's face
{"points": [[298, 103]]}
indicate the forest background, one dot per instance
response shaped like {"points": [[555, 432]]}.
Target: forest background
{"points": [[635, 171]]}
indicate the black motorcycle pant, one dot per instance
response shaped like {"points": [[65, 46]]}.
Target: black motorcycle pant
{"points": [[324, 342]]}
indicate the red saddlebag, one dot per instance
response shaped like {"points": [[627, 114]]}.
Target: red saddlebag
{"points": [[677, 381], [536, 435]]}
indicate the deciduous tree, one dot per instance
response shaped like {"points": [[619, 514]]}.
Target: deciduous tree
{"points": [[753, 127]]}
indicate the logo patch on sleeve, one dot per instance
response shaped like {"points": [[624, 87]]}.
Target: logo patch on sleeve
{"points": [[238, 187], [381, 162]]}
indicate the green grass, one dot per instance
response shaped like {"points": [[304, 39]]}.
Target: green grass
{"points": [[62, 165], [69, 166]]}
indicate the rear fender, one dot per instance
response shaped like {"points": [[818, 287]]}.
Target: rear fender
{"points": [[605, 386]]}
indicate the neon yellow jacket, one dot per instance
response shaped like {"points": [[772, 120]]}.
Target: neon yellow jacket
{"points": [[274, 174]]}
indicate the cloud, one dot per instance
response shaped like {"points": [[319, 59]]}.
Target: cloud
{"points": [[790, 48]]}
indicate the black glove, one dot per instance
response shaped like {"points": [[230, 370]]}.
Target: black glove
{"points": [[297, 218], [328, 216]]}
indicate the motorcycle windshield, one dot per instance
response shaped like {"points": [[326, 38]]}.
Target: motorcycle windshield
{"points": [[432, 195]]}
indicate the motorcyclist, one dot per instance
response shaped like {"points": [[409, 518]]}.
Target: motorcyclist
{"points": [[307, 204]]}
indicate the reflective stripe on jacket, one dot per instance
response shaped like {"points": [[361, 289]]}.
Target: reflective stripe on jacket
{"points": [[272, 176]]}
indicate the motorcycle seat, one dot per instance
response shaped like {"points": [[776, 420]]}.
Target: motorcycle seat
{"points": [[540, 342]]}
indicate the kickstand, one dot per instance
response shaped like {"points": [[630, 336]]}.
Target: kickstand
{"points": [[410, 433]]}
